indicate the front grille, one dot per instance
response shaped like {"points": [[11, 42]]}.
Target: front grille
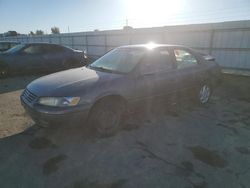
{"points": [[28, 96]]}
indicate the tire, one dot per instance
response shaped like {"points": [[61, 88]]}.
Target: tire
{"points": [[106, 117], [204, 93], [42, 124]]}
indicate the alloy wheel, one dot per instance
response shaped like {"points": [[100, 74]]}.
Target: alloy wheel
{"points": [[204, 94]]}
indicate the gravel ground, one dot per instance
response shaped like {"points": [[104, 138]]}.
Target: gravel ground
{"points": [[191, 147], [12, 116]]}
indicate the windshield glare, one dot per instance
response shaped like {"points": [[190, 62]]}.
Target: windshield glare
{"points": [[121, 60], [15, 48]]}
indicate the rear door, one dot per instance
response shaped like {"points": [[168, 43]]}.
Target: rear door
{"points": [[190, 69], [54, 57]]}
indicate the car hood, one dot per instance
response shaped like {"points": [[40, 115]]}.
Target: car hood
{"points": [[69, 83]]}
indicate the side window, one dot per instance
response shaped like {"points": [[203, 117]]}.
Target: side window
{"points": [[36, 49], [53, 49], [4, 46], [184, 59], [156, 61], [12, 44], [60, 49]]}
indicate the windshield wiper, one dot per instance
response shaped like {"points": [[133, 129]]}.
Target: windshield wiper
{"points": [[104, 69]]}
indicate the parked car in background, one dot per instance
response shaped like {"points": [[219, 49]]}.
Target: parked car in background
{"points": [[119, 82], [40, 57], [5, 45]]}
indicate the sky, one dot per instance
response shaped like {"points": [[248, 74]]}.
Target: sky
{"points": [[24, 16]]}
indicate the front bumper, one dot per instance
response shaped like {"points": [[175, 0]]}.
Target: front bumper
{"points": [[47, 115]]}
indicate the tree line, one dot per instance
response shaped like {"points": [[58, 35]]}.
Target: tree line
{"points": [[54, 30]]}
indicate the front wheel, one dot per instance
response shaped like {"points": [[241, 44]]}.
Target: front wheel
{"points": [[106, 117], [204, 93]]}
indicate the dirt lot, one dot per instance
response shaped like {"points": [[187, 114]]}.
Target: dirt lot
{"points": [[194, 147]]}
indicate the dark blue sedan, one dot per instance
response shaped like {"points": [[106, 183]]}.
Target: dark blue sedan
{"points": [[39, 57], [124, 80]]}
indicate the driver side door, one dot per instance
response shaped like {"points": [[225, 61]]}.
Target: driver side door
{"points": [[156, 77]]}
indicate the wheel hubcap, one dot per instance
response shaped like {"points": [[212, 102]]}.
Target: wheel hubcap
{"points": [[204, 94], [108, 121]]}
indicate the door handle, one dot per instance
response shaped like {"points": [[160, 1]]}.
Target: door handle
{"points": [[148, 74]]}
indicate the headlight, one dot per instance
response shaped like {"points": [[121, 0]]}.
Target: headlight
{"points": [[59, 101]]}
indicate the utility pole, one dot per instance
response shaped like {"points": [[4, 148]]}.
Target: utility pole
{"points": [[126, 22], [68, 29]]}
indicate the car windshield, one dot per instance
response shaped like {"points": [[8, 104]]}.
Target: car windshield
{"points": [[15, 48], [120, 60]]}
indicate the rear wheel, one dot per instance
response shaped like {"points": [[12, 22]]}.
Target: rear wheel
{"points": [[204, 93], [42, 124], [106, 117]]}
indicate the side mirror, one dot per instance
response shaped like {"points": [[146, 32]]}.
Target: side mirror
{"points": [[84, 60]]}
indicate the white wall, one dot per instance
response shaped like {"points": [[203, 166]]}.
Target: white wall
{"points": [[229, 42]]}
